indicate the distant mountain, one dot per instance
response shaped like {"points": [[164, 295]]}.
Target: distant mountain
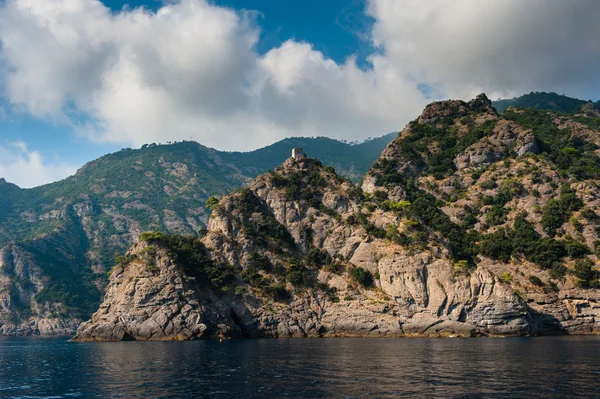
{"points": [[349, 160], [58, 240], [542, 101]]}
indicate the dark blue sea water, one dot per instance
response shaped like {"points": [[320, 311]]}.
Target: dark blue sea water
{"points": [[551, 367]]}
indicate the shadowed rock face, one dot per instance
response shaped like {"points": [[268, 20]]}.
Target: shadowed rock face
{"points": [[303, 253]]}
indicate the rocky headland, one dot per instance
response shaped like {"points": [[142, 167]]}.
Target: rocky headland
{"points": [[470, 223]]}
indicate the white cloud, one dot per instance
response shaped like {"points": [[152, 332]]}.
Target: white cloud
{"points": [[190, 69], [28, 168], [502, 47]]}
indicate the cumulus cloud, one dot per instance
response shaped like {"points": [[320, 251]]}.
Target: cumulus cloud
{"points": [[502, 47], [28, 168], [190, 70]]}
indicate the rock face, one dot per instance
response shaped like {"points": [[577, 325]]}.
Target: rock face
{"points": [[143, 304], [20, 280], [590, 110], [455, 232], [68, 233], [415, 294]]}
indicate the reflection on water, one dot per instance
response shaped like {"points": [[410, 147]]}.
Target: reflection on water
{"points": [[303, 368]]}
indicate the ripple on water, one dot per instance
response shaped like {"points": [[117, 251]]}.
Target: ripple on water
{"points": [[303, 368]]}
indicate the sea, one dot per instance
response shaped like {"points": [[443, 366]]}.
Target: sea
{"points": [[541, 367]]}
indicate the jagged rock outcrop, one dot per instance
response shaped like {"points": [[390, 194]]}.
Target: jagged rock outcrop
{"points": [[590, 110], [415, 294], [506, 138], [110, 201]]}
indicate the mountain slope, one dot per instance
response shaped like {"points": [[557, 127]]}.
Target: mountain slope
{"points": [[67, 234], [293, 255], [542, 102], [470, 223]]}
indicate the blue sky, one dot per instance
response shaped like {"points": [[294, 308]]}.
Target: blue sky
{"points": [[82, 78], [335, 30], [338, 30]]}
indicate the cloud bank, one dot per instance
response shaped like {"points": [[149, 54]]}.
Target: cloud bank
{"points": [[191, 70]]}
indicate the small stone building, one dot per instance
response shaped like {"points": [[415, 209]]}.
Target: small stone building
{"points": [[298, 153]]}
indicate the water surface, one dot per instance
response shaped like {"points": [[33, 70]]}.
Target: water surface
{"points": [[303, 368]]}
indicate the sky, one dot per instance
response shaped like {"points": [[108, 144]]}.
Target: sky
{"points": [[81, 78]]}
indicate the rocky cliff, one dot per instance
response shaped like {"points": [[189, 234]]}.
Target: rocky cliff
{"points": [[470, 223], [58, 241]]}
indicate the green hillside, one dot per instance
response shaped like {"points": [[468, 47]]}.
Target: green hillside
{"points": [[68, 233], [542, 101]]}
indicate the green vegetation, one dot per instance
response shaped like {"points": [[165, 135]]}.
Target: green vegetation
{"points": [[86, 220], [418, 147], [541, 101], [535, 280], [132, 189], [506, 277], [546, 252], [190, 253], [557, 211], [264, 229], [570, 153], [424, 207], [318, 257], [212, 203], [361, 276], [586, 276], [298, 275], [496, 215]]}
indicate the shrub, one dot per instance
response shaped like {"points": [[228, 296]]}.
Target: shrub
{"points": [[576, 249], [212, 203], [535, 280], [506, 277], [149, 236], [558, 211], [589, 214], [298, 275], [191, 254], [317, 257], [497, 246], [524, 236], [558, 271], [470, 219], [488, 184], [334, 267], [380, 195], [398, 206], [260, 262], [277, 292], [547, 253], [125, 259], [584, 272], [496, 215], [461, 267], [361, 276]]}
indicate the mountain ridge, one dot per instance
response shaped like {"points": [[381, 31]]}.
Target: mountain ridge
{"points": [[543, 101], [470, 223], [478, 179], [69, 232]]}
